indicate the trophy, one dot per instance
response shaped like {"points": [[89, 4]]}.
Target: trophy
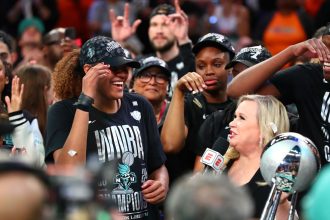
{"points": [[289, 163]]}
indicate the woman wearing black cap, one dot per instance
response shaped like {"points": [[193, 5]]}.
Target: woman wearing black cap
{"points": [[151, 80], [196, 95], [118, 128]]}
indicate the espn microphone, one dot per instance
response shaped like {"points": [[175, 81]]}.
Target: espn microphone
{"points": [[213, 159]]}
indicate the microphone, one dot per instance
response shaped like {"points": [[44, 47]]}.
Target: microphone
{"points": [[213, 159]]}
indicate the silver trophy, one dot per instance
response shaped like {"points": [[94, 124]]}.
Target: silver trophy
{"points": [[289, 164]]}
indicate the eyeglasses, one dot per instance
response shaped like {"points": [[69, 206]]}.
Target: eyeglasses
{"points": [[159, 78]]}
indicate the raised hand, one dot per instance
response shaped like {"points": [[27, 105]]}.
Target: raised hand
{"points": [[14, 104], [191, 82], [179, 24], [92, 77], [121, 29], [312, 48]]}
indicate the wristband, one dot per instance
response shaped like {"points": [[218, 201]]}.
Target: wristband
{"points": [[84, 102]]}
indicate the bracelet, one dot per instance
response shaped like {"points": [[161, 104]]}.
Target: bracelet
{"points": [[84, 102]]}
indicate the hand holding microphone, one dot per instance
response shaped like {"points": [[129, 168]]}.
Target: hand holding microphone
{"points": [[217, 158]]}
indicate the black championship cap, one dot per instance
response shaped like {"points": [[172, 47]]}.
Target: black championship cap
{"points": [[104, 49], [250, 56], [163, 9], [152, 62], [215, 40]]}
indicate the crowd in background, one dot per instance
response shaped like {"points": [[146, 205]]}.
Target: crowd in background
{"points": [[107, 106]]}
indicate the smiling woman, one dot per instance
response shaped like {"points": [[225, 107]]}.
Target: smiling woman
{"points": [[106, 122], [151, 80], [257, 120]]}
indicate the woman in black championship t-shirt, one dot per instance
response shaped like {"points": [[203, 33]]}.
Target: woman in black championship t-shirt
{"points": [[118, 128]]}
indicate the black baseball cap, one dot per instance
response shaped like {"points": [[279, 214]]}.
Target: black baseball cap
{"points": [[215, 40], [104, 49], [152, 62], [250, 56], [163, 9]]}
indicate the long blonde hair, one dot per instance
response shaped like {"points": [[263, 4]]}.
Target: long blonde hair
{"points": [[272, 119]]}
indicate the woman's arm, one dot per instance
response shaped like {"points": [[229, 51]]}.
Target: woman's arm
{"points": [[254, 78]]}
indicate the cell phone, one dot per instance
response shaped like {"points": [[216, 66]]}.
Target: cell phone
{"points": [[70, 32]]}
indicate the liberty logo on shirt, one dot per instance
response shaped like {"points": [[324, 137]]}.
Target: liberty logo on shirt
{"points": [[124, 177], [136, 115]]}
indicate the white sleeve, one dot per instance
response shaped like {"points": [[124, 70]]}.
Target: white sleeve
{"points": [[28, 135]]}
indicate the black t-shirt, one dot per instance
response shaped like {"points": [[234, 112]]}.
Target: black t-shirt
{"points": [[196, 111], [129, 139], [258, 191], [215, 126], [305, 86], [181, 64]]}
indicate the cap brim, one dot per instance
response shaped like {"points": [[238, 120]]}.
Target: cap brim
{"points": [[166, 71], [232, 63], [208, 43], [120, 61]]}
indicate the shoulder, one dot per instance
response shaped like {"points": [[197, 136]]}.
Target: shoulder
{"points": [[63, 105], [29, 117], [309, 69], [302, 69], [135, 100], [132, 96]]}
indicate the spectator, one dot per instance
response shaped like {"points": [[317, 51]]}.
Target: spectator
{"points": [[7, 48], [56, 43], [119, 128], [5, 90], [27, 110], [305, 85], [216, 125], [196, 95], [30, 41], [37, 93], [168, 34], [207, 197], [285, 26], [151, 80], [98, 16]]}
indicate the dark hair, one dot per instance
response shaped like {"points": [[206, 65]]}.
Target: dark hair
{"points": [[36, 79], [8, 69], [8, 40]]}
